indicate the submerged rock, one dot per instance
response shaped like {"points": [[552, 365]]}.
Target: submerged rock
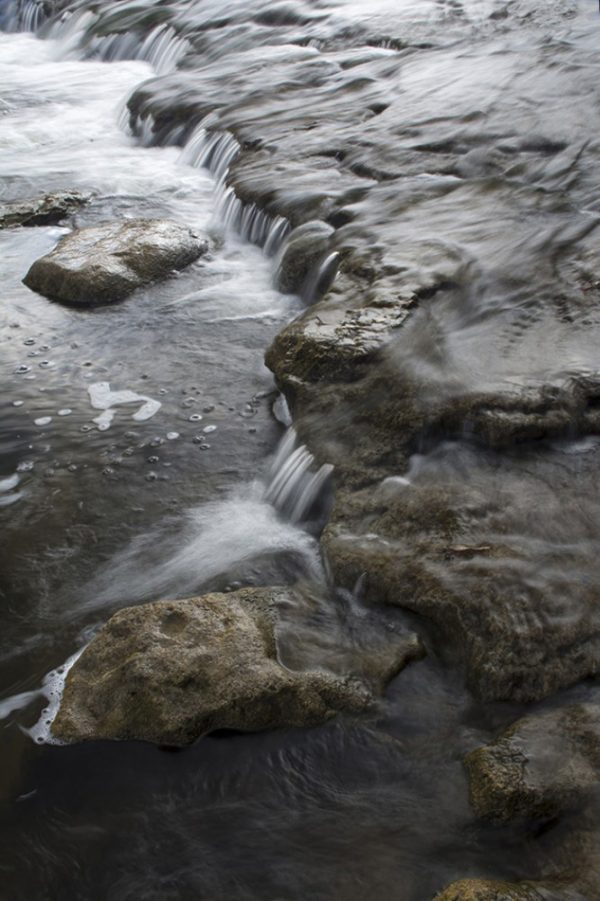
{"points": [[47, 210], [538, 767], [107, 262], [172, 671]]}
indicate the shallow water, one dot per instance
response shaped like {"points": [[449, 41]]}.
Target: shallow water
{"points": [[138, 442]]}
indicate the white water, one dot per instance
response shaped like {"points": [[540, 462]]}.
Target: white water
{"points": [[61, 131]]}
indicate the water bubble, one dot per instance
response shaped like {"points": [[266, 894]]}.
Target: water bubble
{"points": [[33, 353], [18, 403], [22, 369], [85, 428], [208, 408], [153, 459], [29, 341], [209, 428], [25, 466], [72, 468], [196, 417], [43, 420], [151, 477], [87, 362], [44, 347], [129, 452], [108, 471], [156, 442], [172, 435], [46, 364], [204, 446], [163, 391]]}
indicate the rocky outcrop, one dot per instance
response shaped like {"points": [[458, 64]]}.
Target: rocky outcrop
{"points": [[107, 262], [542, 765], [47, 210], [545, 766], [491, 890], [172, 671]]}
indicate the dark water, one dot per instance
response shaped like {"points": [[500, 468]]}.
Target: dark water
{"points": [[93, 519]]}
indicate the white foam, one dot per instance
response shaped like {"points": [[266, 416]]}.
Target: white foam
{"points": [[9, 483], [102, 398], [52, 689]]}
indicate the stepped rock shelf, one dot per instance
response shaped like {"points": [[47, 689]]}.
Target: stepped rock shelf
{"points": [[424, 176]]}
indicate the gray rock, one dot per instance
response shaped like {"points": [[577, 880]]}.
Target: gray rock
{"points": [[539, 766], [47, 210], [492, 890], [107, 262], [306, 246], [172, 671]]}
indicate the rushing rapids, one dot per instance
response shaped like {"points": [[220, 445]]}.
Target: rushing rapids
{"points": [[402, 203]]}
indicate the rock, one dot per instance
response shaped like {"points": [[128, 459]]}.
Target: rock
{"points": [[540, 766], [486, 890], [107, 262], [47, 210], [172, 671], [305, 247]]}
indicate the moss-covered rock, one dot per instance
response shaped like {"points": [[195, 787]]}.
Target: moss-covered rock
{"points": [[540, 766], [171, 671], [487, 890]]}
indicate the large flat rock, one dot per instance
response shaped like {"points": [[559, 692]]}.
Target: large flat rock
{"points": [[107, 262], [172, 671]]}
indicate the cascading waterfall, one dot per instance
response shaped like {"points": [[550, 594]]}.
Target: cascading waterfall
{"points": [[216, 151], [294, 487]]}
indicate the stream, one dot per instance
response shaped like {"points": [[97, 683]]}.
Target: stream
{"points": [[146, 452]]}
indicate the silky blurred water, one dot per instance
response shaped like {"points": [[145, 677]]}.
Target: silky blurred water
{"points": [[183, 501]]}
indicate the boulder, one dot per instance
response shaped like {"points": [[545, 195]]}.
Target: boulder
{"points": [[107, 262], [305, 247], [540, 766], [172, 671], [486, 890], [47, 210]]}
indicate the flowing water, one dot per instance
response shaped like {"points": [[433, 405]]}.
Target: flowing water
{"points": [[144, 451]]}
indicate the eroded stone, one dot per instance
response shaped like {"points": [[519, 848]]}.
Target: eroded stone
{"points": [[107, 262]]}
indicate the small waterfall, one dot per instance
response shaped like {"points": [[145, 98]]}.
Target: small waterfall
{"points": [[22, 15], [294, 486], [163, 48], [321, 278], [216, 151]]}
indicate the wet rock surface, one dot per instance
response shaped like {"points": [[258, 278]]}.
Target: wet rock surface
{"points": [[108, 262], [47, 210], [487, 890], [450, 376], [540, 766], [171, 672]]}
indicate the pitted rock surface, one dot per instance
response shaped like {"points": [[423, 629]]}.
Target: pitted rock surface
{"points": [[107, 262]]}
